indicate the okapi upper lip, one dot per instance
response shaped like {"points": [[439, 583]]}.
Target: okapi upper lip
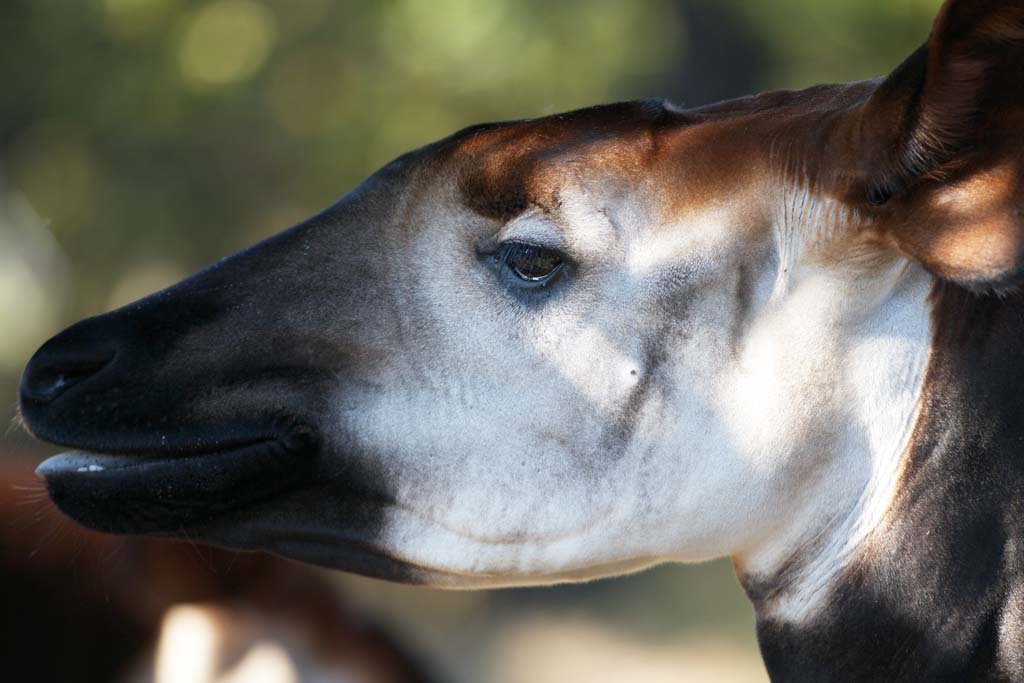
{"points": [[165, 491]]}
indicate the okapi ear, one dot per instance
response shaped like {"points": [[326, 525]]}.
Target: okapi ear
{"points": [[942, 146]]}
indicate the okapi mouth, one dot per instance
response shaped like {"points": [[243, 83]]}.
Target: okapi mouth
{"points": [[166, 490]]}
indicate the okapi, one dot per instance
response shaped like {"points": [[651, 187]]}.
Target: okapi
{"points": [[784, 328]]}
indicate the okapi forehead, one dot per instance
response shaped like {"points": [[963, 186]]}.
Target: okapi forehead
{"points": [[506, 168], [690, 158]]}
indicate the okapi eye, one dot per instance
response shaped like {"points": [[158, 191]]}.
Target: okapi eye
{"points": [[532, 264]]}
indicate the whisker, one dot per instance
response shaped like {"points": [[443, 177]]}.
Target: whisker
{"points": [[23, 522], [33, 504], [231, 564], [17, 422], [29, 487], [30, 500], [115, 552], [205, 561], [49, 536]]}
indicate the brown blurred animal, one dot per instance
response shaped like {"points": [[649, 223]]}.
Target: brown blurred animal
{"points": [[85, 607]]}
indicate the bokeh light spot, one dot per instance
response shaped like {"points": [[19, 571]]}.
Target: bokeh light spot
{"points": [[226, 42]]}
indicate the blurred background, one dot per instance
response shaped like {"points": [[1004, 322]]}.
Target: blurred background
{"points": [[142, 139]]}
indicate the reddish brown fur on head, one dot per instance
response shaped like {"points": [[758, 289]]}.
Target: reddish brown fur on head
{"points": [[510, 167], [679, 163]]}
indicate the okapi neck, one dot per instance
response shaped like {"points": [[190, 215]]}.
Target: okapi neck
{"points": [[939, 595]]}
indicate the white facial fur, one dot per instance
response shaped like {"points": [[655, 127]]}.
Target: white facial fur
{"points": [[833, 376], [699, 387]]}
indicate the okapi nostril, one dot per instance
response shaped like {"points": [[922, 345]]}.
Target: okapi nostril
{"points": [[49, 384], [46, 381]]}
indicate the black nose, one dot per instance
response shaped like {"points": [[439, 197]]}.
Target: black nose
{"points": [[60, 364]]}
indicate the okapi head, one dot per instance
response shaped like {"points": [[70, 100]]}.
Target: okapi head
{"points": [[580, 345]]}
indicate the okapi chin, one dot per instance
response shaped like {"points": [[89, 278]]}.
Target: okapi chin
{"points": [[784, 329]]}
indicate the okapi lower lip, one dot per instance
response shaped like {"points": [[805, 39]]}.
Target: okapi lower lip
{"points": [[166, 492]]}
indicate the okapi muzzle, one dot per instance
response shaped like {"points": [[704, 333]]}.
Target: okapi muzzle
{"points": [[784, 329], [210, 396]]}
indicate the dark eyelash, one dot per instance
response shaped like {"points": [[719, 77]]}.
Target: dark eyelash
{"points": [[510, 251], [529, 262]]}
